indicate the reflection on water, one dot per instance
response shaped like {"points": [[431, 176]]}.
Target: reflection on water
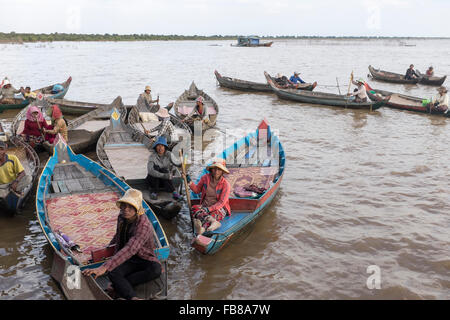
{"points": [[360, 188]]}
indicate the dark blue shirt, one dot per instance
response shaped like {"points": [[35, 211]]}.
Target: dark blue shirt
{"points": [[296, 79]]}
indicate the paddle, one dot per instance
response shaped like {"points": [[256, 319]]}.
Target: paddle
{"points": [[186, 186], [348, 91]]}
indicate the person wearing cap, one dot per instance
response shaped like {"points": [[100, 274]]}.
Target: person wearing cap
{"points": [[7, 93], [295, 79], [200, 111], [439, 103], [411, 73], [12, 174], [214, 201], [359, 93], [145, 102], [33, 132], [58, 123], [430, 72], [159, 169], [134, 261], [165, 128], [283, 81]]}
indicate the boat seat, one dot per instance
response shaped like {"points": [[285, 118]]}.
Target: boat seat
{"points": [[187, 107]]}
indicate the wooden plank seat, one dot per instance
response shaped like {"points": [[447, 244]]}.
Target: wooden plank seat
{"points": [[187, 107]]}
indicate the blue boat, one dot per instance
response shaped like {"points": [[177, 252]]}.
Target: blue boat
{"points": [[77, 197], [257, 159]]}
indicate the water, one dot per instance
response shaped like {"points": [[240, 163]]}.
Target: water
{"points": [[359, 188]]}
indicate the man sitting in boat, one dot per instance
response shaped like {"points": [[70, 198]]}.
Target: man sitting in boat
{"points": [[134, 261], [430, 72], [58, 123], [200, 111], [439, 102], [360, 93], [295, 79], [159, 169], [145, 102], [12, 174], [411, 73], [7, 93], [214, 204], [165, 128], [33, 132], [283, 82]]}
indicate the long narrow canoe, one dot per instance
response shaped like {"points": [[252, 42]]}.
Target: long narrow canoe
{"points": [[144, 118], [321, 98], [29, 159], [401, 101], [392, 77], [125, 151], [186, 103], [431, 80], [77, 108], [77, 196], [301, 86], [246, 168], [45, 91], [239, 84]]}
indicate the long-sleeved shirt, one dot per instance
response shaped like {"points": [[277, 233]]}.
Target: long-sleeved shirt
{"points": [[195, 113], [8, 93], [361, 92], [60, 126], [144, 103], [140, 241], [441, 99], [166, 161], [296, 79], [223, 190], [409, 74], [165, 128]]}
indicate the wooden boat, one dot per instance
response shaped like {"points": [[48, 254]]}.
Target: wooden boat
{"points": [[431, 80], [186, 103], [45, 92], [125, 151], [148, 121], [401, 101], [77, 108], [301, 86], [83, 132], [239, 84], [245, 169], [252, 41], [29, 159], [323, 98], [77, 196], [392, 77]]}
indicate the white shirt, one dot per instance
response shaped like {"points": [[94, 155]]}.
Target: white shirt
{"points": [[361, 93], [443, 100]]}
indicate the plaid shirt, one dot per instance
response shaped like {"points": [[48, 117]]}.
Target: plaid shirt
{"points": [[166, 126], [141, 243]]}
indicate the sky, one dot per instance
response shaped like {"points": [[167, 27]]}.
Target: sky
{"points": [[404, 18]]}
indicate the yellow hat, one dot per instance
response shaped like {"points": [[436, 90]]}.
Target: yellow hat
{"points": [[218, 163], [132, 197], [147, 88]]}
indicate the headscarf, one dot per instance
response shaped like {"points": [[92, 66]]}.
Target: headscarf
{"points": [[56, 112], [30, 114]]}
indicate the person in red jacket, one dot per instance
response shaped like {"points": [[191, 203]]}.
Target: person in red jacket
{"points": [[33, 131], [215, 192]]}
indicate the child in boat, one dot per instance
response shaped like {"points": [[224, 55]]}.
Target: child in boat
{"points": [[215, 192], [134, 261], [58, 122]]}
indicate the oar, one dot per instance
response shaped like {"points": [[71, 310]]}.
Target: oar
{"points": [[338, 86], [40, 128], [348, 91], [186, 186]]}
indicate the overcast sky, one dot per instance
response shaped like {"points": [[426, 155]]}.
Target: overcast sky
{"points": [[230, 17]]}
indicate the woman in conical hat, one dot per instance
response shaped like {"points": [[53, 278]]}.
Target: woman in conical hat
{"points": [[134, 261]]}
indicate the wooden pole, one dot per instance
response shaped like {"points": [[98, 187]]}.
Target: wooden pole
{"points": [[338, 86], [348, 91], [186, 187]]}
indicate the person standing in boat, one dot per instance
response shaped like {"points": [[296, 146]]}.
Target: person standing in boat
{"points": [[159, 169], [165, 128], [134, 261], [7, 93], [58, 123], [360, 93], [12, 174], [33, 132], [145, 102], [200, 111], [439, 103], [214, 202], [411, 73]]}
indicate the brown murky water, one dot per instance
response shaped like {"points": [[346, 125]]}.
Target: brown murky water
{"points": [[360, 188]]}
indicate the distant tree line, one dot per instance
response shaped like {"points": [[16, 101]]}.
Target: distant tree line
{"points": [[13, 37]]}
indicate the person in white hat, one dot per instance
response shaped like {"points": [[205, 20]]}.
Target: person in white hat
{"points": [[165, 128], [214, 202], [359, 93], [145, 102], [134, 261], [439, 103], [7, 93], [200, 111]]}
